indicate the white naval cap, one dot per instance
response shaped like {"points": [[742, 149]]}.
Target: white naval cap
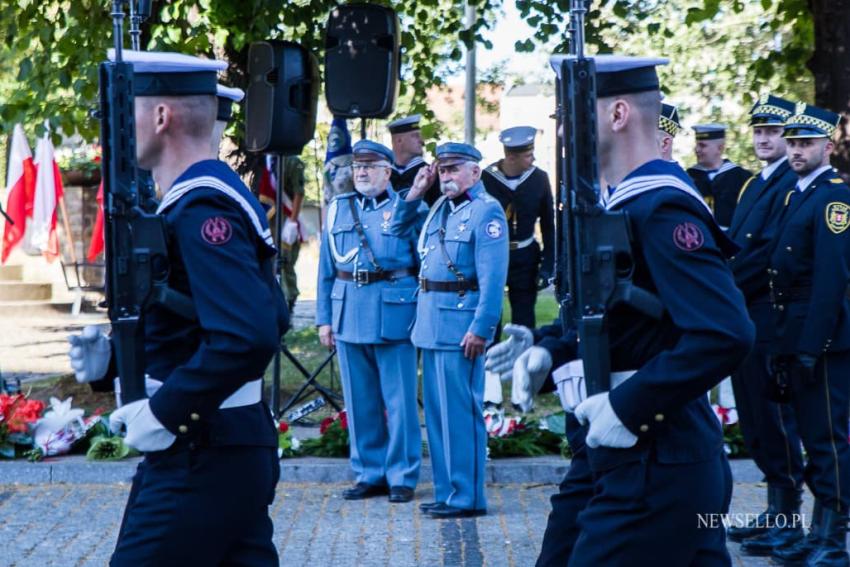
{"points": [[405, 124], [171, 74]]}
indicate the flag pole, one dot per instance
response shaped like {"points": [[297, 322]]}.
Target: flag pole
{"points": [[67, 227]]}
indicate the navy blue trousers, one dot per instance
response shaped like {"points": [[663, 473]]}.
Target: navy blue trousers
{"points": [[822, 408], [638, 513], [769, 429], [201, 506]]}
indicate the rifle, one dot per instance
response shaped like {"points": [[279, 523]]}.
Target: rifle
{"points": [[136, 251], [593, 244]]}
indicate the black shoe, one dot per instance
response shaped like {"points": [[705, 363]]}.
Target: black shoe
{"points": [[796, 553], [425, 506], [751, 529], [400, 494], [775, 538], [832, 549], [363, 490], [446, 511]]}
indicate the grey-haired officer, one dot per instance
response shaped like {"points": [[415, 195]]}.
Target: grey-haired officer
{"points": [[366, 303], [463, 248], [209, 441], [717, 178], [669, 126], [809, 264], [524, 192], [769, 428], [408, 147]]}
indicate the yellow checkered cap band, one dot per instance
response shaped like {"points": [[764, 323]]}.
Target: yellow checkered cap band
{"points": [[667, 125], [804, 120], [771, 109]]}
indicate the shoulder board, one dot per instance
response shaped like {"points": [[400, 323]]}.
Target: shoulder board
{"points": [[178, 191]]}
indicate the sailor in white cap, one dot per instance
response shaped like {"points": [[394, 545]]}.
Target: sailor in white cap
{"points": [[209, 441]]}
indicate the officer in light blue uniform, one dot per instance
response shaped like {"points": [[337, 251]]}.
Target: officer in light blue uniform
{"points": [[366, 305], [463, 248]]}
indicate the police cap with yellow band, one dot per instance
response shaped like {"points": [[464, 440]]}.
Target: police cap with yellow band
{"points": [[771, 110], [811, 122], [161, 73], [668, 120]]}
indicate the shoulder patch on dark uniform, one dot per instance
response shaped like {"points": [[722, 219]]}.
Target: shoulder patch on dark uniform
{"points": [[216, 231], [837, 216], [688, 237]]}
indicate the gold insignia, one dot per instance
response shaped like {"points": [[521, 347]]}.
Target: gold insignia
{"points": [[764, 98], [837, 216], [800, 108]]}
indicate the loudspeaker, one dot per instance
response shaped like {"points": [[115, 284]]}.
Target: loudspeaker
{"points": [[283, 93], [361, 61]]}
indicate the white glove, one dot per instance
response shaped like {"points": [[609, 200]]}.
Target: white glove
{"points": [[90, 352], [530, 371], [289, 232], [605, 429], [492, 388], [144, 431], [500, 358]]}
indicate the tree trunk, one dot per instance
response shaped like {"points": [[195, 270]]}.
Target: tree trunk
{"points": [[830, 65]]}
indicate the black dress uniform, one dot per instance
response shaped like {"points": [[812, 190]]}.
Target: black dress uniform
{"points": [[769, 428], [525, 199], [719, 187], [809, 273], [640, 505], [204, 500]]}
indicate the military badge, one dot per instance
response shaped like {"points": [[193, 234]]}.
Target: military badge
{"points": [[764, 98], [494, 229], [800, 108], [837, 216], [386, 224], [216, 231], [688, 237]]}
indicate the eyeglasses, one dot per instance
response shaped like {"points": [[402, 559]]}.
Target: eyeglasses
{"points": [[367, 166]]}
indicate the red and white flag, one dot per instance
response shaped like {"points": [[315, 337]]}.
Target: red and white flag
{"points": [[96, 244], [48, 192], [20, 186]]}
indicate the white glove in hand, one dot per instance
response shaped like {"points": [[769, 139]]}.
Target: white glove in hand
{"points": [[605, 429], [144, 431], [500, 358], [89, 354], [530, 371], [289, 232]]}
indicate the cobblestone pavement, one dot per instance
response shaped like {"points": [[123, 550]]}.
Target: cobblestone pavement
{"points": [[76, 525]]}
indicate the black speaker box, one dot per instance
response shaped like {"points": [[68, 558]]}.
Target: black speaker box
{"points": [[361, 61], [281, 99]]}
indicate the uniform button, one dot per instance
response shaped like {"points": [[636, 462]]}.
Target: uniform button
{"points": [[365, 226], [194, 417], [433, 247], [781, 307], [424, 266], [459, 305], [644, 428], [732, 259], [659, 417], [788, 248], [749, 235], [183, 429]]}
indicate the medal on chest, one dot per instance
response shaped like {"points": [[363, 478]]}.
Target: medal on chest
{"points": [[386, 224]]}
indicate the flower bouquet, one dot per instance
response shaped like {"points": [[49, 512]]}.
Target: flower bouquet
{"points": [[513, 436], [18, 415], [333, 438], [287, 443]]}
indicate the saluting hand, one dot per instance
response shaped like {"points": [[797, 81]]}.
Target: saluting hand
{"points": [[423, 180], [473, 345]]}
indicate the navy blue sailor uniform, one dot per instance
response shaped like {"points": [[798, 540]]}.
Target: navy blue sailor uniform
{"points": [[403, 175], [463, 248], [367, 293], [225, 456], [525, 199], [618, 504]]}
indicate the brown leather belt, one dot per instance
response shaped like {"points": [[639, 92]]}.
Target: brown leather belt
{"points": [[455, 286], [365, 277]]}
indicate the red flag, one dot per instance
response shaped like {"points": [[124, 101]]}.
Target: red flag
{"points": [[96, 244], [20, 184], [48, 192]]}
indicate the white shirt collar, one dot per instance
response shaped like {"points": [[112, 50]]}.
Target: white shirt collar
{"points": [[806, 181], [769, 169]]}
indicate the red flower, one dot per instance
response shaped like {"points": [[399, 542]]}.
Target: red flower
{"points": [[18, 412], [325, 424], [343, 419], [283, 427]]}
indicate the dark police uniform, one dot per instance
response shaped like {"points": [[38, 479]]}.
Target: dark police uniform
{"points": [[720, 187], [769, 428], [204, 500], [641, 505], [809, 273], [525, 199]]}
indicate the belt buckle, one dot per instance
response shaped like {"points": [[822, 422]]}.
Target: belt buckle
{"points": [[513, 246], [361, 277], [423, 284]]}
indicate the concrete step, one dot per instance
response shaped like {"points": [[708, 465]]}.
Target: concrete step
{"points": [[20, 291], [37, 308], [11, 273]]}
